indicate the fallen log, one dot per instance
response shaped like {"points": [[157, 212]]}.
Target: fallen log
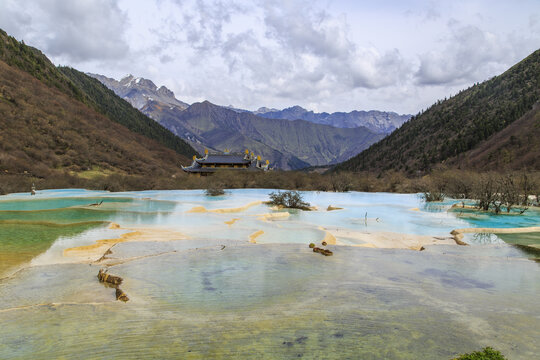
{"points": [[111, 279], [104, 257], [324, 252]]}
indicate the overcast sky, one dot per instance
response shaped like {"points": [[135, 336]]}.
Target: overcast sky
{"points": [[323, 55]]}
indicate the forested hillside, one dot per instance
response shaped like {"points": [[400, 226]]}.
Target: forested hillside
{"points": [[515, 147], [119, 110], [35, 63], [44, 131], [91, 92], [446, 131]]}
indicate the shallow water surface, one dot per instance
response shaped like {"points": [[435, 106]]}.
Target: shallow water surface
{"points": [[216, 295], [20, 243], [277, 301]]}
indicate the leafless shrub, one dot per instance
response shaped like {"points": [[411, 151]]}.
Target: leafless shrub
{"points": [[288, 199]]}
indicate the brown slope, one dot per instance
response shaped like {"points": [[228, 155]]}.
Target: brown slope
{"points": [[452, 127], [515, 147], [89, 91], [43, 129]]}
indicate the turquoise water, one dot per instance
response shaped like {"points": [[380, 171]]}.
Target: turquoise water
{"points": [[480, 219], [384, 211], [362, 212], [215, 295]]}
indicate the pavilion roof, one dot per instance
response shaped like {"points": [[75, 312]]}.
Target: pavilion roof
{"points": [[224, 159]]}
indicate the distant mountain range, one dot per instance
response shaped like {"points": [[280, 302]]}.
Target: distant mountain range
{"points": [[376, 121], [57, 119], [287, 142], [494, 125], [138, 91]]}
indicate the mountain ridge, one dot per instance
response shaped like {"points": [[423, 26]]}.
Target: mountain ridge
{"points": [[447, 132], [210, 132], [58, 120], [44, 131], [88, 92], [299, 142], [376, 121], [138, 91]]}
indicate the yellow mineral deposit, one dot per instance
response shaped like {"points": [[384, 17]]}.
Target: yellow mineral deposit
{"points": [[332, 208], [198, 209], [328, 237], [202, 209], [498, 230], [273, 216], [463, 206], [367, 245], [391, 240], [254, 236], [232, 221], [458, 233], [95, 251]]}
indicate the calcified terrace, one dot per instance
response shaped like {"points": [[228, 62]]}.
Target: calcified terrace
{"points": [[231, 277]]}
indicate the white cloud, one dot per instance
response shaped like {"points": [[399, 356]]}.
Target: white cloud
{"points": [[75, 31], [301, 29], [335, 56], [12, 19], [469, 55]]}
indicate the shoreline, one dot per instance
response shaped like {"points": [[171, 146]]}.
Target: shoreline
{"points": [[458, 233], [386, 239], [202, 209], [98, 251], [96, 254]]}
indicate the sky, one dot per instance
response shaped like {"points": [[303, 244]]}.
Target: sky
{"points": [[387, 55]]}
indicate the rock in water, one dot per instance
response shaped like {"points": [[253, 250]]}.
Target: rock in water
{"points": [[120, 295]]}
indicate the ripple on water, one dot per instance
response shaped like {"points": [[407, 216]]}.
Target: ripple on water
{"points": [[277, 300], [215, 295]]}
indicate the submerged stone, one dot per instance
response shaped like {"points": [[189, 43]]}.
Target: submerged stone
{"points": [[120, 295]]}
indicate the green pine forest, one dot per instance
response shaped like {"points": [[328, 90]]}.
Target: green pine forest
{"points": [[445, 132]]}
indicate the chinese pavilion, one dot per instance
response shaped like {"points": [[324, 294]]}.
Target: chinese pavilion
{"points": [[213, 162]]}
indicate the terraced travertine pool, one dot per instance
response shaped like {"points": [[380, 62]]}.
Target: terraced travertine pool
{"points": [[226, 277]]}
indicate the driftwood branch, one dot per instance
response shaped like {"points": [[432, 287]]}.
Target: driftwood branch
{"points": [[324, 252], [104, 277]]}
